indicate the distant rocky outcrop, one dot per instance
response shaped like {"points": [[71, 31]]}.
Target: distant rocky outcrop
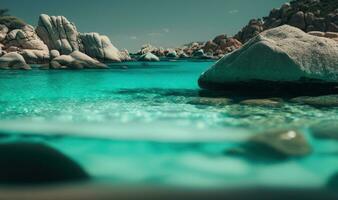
{"points": [[221, 45], [60, 34], [149, 57], [213, 49], [275, 58], [54, 36], [307, 15]]}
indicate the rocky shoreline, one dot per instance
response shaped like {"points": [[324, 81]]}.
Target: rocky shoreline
{"points": [[316, 17], [57, 44]]}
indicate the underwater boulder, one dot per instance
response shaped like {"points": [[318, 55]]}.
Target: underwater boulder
{"points": [[262, 102], [279, 58], [320, 101], [76, 60], [208, 101], [149, 57], [284, 142], [325, 130], [13, 60], [333, 182], [36, 163]]}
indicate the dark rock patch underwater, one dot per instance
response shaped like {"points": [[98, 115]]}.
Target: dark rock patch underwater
{"points": [[36, 163]]}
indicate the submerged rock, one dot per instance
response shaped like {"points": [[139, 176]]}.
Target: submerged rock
{"points": [[280, 58], [262, 102], [13, 60], [333, 182], [320, 101], [76, 60], [35, 163], [148, 57], [287, 142], [207, 101], [325, 130]]}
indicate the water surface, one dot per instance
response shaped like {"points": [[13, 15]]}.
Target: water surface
{"points": [[133, 124]]}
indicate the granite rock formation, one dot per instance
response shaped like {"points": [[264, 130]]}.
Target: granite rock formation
{"points": [[281, 55]]}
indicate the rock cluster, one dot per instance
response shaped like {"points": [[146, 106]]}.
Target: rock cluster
{"points": [[281, 57], [331, 35], [312, 16], [221, 45], [55, 36], [13, 60], [26, 42], [148, 57], [213, 49], [58, 33], [75, 60], [307, 15]]}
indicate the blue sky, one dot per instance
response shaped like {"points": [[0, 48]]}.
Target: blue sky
{"points": [[131, 23]]}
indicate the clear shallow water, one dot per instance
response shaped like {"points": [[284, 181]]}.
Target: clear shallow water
{"points": [[132, 124]]}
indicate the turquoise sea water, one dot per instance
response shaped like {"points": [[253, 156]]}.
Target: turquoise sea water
{"points": [[133, 124]]}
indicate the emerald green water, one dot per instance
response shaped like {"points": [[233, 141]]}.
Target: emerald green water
{"points": [[132, 124]]}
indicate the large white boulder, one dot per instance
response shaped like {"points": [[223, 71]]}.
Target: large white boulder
{"points": [[58, 33], [99, 46], [13, 60], [280, 55], [76, 60]]}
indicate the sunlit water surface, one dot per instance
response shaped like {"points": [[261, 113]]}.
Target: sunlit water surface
{"points": [[132, 124]]}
